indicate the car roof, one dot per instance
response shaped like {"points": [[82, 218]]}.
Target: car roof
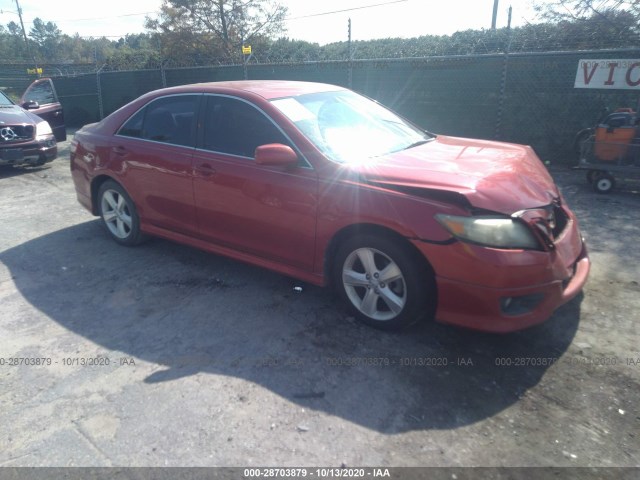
{"points": [[268, 89]]}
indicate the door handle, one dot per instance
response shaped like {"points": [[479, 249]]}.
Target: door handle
{"points": [[205, 170]]}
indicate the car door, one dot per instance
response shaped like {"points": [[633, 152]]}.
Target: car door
{"points": [[41, 98], [154, 150], [268, 211]]}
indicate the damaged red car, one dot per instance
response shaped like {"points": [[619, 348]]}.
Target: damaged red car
{"points": [[322, 184]]}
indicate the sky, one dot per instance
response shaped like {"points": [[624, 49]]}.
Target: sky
{"points": [[378, 18]]}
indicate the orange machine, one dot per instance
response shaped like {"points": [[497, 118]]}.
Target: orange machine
{"points": [[615, 135]]}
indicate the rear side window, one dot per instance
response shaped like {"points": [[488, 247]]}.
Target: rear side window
{"points": [[167, 120], [234, 127]]}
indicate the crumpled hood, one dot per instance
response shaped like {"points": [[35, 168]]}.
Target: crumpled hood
{"points": [[496, 176]]}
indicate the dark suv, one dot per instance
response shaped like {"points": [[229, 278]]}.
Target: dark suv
{"points": [[28, 133]]}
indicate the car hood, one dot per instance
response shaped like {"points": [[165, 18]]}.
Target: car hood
{"points": [[496, 176], [14, 114]]}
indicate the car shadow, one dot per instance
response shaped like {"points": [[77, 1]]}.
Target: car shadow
{"points": [[8, 171], [190, 312]]}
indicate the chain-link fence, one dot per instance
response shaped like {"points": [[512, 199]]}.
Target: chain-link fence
{"points": [[16, 77], [517, 97]]}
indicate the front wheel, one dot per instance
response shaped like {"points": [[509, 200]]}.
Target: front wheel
{"points": [[383, 282], [119, 215], [604, 182]]}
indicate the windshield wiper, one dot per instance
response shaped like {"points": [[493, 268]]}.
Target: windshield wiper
{"points": [[414, 144], [418, 143]]}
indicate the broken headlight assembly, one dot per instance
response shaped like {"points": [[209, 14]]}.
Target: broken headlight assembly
{"points": [[490, 231]]}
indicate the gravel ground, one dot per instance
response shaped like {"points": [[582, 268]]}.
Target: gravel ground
{"points": [[163, 355]]}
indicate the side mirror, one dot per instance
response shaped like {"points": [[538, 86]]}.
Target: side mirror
{"points": [[31, 105], [275, 154]]}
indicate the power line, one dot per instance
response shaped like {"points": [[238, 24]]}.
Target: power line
{"points": [[103, 18], [347, 9], [95, 18], [155, 12], [124, 35], [291, 18]]}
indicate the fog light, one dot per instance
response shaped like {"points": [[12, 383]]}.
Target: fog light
{"points": [[521, 305]]}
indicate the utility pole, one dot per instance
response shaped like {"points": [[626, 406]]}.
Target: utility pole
{"points": [[495, 14], [503, 81], [24, 34], [350, 78]]}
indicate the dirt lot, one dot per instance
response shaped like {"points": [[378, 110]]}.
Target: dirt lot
{"points": [[205, 361]]}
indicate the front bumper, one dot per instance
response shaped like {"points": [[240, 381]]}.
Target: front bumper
{"points": [[504, 291], [31, 153]]}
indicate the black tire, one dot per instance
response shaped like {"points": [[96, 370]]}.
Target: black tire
{"points": [[604, 182], [388, 303], [119, 215]]}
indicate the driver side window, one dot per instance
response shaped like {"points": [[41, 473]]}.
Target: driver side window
{"points": [[235, 127]]}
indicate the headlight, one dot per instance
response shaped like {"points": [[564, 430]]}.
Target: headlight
{"points": [[498, 232], [43, 130]]}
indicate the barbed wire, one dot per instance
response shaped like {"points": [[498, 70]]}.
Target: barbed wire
{"points": [[538, 38]]}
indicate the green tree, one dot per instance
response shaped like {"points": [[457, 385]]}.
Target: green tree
{"points": [[16, 48], [74, 49], [135, 51], [615, 22], [216, 27], [287, 50], [584, 9], [47, 38]]}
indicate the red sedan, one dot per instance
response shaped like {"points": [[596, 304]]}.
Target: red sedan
{"points": [[319, 183]]}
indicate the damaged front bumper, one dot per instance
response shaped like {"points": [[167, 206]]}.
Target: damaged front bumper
{"points": [[499, 290]]}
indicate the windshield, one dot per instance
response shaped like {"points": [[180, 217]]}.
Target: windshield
{"points": [[348, 127], [4, 100]]}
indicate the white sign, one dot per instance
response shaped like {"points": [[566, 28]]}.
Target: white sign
{"points": [[608, 73]]}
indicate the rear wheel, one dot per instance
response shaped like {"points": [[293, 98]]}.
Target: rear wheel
{"points": [[383, 283], [119, 215], [603, 182]]}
